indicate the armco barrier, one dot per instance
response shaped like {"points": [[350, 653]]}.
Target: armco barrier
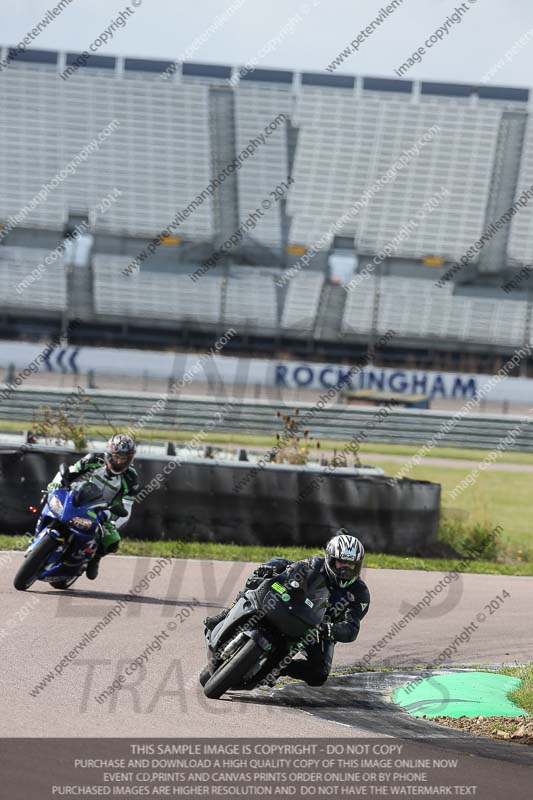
{"points": [[333, 421], [237, 502]]}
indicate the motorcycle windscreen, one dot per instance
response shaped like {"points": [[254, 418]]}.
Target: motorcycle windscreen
{"points": [[295, 601], [87, 493]]}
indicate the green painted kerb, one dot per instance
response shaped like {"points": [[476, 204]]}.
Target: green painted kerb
{"points": [[460, 694]]}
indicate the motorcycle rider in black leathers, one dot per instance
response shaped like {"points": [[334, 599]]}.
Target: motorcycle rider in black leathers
{"points": [[348, 604]]}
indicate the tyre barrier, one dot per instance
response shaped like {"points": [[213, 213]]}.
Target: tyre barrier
{"points": [[238, 502]]}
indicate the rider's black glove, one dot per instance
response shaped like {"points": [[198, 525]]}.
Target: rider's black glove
{"points": [[262, 572], [326, 630], [265, 571], [322, 633]]}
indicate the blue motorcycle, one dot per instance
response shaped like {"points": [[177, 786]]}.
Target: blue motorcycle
{"points": [[67, 535]]}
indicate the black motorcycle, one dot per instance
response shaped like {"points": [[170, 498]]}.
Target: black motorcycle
{"points": [[264, 630]]}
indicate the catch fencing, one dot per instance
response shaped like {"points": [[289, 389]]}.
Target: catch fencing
{"points": [[334, 421]]}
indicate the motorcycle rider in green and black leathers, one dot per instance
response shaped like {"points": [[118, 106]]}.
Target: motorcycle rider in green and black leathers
{"points": [[113, 472], [348, 603]]}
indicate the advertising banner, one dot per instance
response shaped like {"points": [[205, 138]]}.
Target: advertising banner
{"points": [[270, 373]]}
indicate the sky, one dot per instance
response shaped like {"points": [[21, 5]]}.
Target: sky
{"points": [[483, 46]]}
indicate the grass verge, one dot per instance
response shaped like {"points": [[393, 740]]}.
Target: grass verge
{"points": [[523, 696], [495, 498], [235, 552]]}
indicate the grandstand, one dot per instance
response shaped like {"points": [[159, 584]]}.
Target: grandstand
{"points": [[250, 301], [347, 143], [158, 167], [255, 108], [418, 309], [302, 301], [161, 142], [521, 238], [23, 284], [153, 295]]}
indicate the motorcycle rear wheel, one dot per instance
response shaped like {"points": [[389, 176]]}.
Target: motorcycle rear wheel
{"points": [[33, 563], [231, 672]]}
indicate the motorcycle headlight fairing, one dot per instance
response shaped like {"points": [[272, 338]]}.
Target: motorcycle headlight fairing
{"points": [[56, 505]]}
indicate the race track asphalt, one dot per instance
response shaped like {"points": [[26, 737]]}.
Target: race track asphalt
{"points": [[38, 628]]}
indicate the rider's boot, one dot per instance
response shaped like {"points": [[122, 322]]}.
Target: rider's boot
{"points": [[93, 567], [109, 544], [211, 622]]}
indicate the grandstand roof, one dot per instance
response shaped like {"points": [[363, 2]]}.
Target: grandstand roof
{"points": [[279, 76]]}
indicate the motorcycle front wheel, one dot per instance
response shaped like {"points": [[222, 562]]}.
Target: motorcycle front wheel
{"points": [[231, 672], [204, 676], [33, 563], [63, 584]]}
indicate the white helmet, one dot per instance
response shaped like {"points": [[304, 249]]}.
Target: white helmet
{"points": [[344, 558]]}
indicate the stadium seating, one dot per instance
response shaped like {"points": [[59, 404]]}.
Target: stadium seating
{"points": [[152, 294], [255, 108], [247, 299], [251, 300], [302, 300], [347, 142], [419, 309], [158, 156], [342, 134], [521, 235], [46, 289]]}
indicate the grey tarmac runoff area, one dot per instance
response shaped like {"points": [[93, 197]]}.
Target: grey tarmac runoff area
{"points": [[161, 696]]}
